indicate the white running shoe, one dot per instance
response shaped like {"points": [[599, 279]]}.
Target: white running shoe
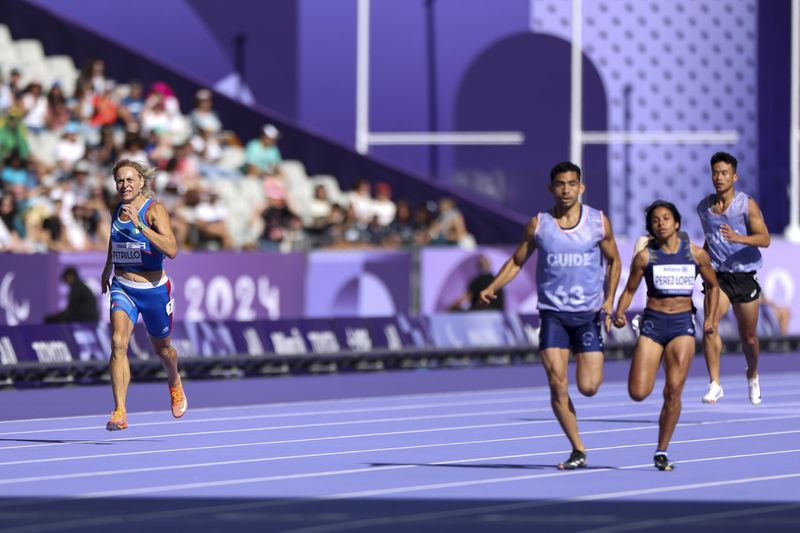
{"points": [[754, 390], [715, 392]]}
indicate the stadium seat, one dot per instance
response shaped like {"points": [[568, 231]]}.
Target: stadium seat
{"points": [[29, 50], [331, 185]]}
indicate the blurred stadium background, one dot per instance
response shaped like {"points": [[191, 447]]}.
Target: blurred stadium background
{"points": [[335, 168]]}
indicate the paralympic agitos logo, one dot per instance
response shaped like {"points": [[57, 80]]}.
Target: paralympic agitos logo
{"points": [[15, 311]]}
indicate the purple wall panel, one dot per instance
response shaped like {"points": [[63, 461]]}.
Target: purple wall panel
{"points": [[355, 283], [27, 288]]}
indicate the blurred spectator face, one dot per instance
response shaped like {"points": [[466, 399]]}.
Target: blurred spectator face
{"points": [[446, 204], [98, 67], [7, 204], [321, 193], [36, 88], [135, 91], [383, 191], [403, 211], [204, 99], [363, 187]]}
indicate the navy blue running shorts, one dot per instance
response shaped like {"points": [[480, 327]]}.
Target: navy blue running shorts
{"points": [[663, 327], [579, 331]]}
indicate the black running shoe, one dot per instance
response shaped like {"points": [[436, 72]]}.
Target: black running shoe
{"points": [[662, 462], [576, 459]]}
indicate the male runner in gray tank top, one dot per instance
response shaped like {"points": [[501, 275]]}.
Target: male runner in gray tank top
{"points": [[734, 230]]}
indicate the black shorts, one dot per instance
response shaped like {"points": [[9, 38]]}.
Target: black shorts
{"points": [[740, 287]]}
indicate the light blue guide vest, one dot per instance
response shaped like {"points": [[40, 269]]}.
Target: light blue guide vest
{"points": [[727, 256], [569, 266]]}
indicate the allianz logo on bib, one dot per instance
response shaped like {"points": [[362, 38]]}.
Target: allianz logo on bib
{"points": [[667, 277], [568, 260]]}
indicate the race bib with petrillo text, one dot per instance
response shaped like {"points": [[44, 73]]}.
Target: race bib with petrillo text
{"points": [[127, 253]]}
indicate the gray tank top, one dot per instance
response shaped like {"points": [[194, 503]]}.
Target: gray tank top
{"points": [[569, 266], [727, 256]]}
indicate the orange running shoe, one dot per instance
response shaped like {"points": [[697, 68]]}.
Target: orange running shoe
{"points": [[178, 399], [119, 420]]}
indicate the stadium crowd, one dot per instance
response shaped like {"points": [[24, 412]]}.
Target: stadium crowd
{"points": [[58, 145]]}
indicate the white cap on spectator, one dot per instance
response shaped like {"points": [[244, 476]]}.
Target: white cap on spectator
{"points": [[271, 131], [203, 94]]}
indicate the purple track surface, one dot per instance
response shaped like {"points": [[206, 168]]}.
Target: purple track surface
{"points": [[462, 450]]}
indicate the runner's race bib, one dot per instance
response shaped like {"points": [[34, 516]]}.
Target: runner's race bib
{"points": [[674, 279], [127, 253]]}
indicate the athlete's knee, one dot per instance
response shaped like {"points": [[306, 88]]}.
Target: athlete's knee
{"points": [[638, 393], [750, 340], [119, 345], [558, 385], [589, 388], [672, 395], [166, 352]]}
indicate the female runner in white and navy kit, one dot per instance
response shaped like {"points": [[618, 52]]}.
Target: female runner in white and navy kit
{"points": [[141, 236], [669, 266]]}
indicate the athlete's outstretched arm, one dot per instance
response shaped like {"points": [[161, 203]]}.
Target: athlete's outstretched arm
{"points": [[711, 305], [105, 279], [514, 264], [160, 231], [608, 247], [758, 234], [637, 273]]}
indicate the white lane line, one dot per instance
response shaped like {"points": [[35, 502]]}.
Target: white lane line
{"points": [[77, 475], [372, 522], [360, 399], [324, 412], [405, 432], [261, 505], [271, 428], [262, 443], [581, 405], [245, 481], [692, 385]]}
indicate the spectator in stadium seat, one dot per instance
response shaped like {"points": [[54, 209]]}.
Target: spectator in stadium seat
{"points": [[319, 207], [58, 112], [34, 104], [70, 148], [11, 226], [15, 85], [93, 74], [203, 117], [210, 221], [276, 217], [263, 152], [449, 227], [360, 198], [104, 104], [478, 283], [402, 230], [13, 135], [295, 238], [106, 152], [7, 98], [132, 105], [81, 303], [382, 206], [15, 172]]}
